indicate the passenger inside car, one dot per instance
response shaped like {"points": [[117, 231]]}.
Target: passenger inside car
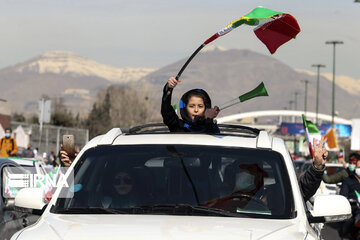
{"points": [[120, 193], [198, 176]]}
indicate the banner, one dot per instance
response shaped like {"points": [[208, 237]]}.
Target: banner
{"points": [[355, 135], [298, 128]]}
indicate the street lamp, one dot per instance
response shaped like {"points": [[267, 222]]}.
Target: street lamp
{"points": [[290, 104], [305, 104], [295, 99], [333, 83], [317, 89]]}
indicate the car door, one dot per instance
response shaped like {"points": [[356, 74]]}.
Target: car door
{"points": [[11, 220]]}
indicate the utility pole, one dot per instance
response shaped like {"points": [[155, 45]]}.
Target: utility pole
{"points": [[317, 89], [333, 83], [290, 104], [305, 103], [295, 100]]}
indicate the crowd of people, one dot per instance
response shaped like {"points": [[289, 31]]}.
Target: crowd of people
{"points": [[9, 148], [349, 178]]}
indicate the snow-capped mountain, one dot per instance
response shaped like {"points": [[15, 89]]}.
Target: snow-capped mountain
{"points": [[61, 74], [223, 73], [68, 63]]}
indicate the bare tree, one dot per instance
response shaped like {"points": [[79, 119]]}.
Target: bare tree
{"points": [[125, 106], [131, 106]]}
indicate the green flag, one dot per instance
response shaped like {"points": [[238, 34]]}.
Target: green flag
{"points": [[258, 91]]}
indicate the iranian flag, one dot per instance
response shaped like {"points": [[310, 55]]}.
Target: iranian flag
{"points": [[273, 28], [311, 133]]}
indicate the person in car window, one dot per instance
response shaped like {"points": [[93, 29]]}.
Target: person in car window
{"points": [[122, 192], [311, 179], [341, 175], [195, 110]]}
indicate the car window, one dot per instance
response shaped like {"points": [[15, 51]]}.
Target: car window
{"points": [[247, 182], [9, 190]]}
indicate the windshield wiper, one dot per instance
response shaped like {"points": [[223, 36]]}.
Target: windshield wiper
{"points": [[173, 150], [90, 210], [182, 209]]}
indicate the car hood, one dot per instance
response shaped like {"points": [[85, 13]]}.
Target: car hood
{"points": [[160, 227]]}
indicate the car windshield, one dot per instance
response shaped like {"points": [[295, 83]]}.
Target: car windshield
{"points": [[179, 179]]}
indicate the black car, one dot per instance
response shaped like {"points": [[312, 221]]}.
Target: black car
{"points": [[11, 220]]}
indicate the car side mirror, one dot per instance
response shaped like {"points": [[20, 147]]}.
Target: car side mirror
{"points": [[330, 208], [10, 204], [32, 199]]}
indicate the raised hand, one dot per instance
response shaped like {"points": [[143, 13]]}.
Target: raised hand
{"points": [[212, 112], [320, 154], [65, 158], [172, 82]]}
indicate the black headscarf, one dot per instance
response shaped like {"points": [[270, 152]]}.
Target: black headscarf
{"points": [[196, 125]]}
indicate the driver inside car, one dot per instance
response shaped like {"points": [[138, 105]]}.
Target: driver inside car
{"points": [[245, 183]]}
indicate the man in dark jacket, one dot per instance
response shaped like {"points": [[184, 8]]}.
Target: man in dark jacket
{"points": [[352, 183], [341, 175], [311, 179], [28, 152], [348, 188]]}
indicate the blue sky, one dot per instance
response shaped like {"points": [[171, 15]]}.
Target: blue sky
{"points": [[154, 33]]}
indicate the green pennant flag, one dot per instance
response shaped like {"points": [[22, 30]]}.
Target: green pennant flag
{"points": [[258, 91]]}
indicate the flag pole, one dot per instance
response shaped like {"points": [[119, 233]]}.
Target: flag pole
{"points": [[189, 60], [311, 151]]}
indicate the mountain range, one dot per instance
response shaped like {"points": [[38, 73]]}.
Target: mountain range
{"points": [[227, 74], [224, 74], [61, 74]]}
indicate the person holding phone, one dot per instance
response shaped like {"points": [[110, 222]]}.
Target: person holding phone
{"points": [[67, 153]]}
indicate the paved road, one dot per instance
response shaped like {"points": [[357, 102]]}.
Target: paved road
{"points": [[330, 233]]}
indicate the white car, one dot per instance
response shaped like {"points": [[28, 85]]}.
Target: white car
{"points": [[149, 184], [33, 166]]}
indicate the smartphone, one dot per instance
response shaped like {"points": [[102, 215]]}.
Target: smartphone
{"points": [[69, 145]]}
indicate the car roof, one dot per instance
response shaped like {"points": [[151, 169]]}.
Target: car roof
{"points": [[4, 160], [230, 136], [22, 161]]}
